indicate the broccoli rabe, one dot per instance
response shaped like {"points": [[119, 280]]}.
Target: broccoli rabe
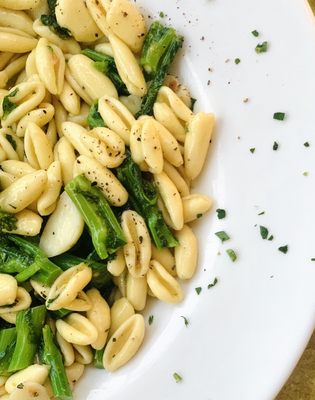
{"points": [[94, 118], [51, 21], [7, 105], [143, 198], [159, 50], [106, 64], [107, 235]]}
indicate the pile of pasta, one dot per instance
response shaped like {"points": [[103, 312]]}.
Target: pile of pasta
{"points": [[47, 89]]}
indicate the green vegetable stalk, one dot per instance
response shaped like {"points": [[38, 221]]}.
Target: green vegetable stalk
{"points": [[7, 346], [159, 50], [21, 256], [29, 324], [51, 356], [106, 64], [7, 105], [143, 198], [107, 235]]}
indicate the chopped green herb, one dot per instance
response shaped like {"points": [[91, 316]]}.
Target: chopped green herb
{"points": [[252, 150], [198, 290], [284, 249], [261, 47], [211, 285], [275, 146], [305, 173], [7, 104], [312, 259], [263, 232], [151, 318], [279, 116], [199, 216], [255, 33], [185, 320], [177, 377], [237, 61], [262, 213], [221, 213], [50, 20], [270, 238], [306, 144], [231, 253], [222, 235], [161, 14]]}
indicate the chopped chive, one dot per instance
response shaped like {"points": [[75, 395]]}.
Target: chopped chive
{"points": [[222, 235], [262, 213], [255, 33], [275, 146], [312, 259], [279, 116], [237, 61], [198, 290], [261, 47], [162, 14], [231, 253], [185, 320], [221, 213], [252, 150], [284, 249], [270, 238], [151, 318], [305, 173], [306, 144], [211, 285], [177, 377], [263, 232]]}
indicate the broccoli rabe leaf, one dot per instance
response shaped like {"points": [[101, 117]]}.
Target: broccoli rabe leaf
{"points": [[94, 118], [7, 104], [51, 21]]}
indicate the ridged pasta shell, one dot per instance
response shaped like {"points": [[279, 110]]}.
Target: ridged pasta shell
{"points": [[12, 69], [8, 289], [121, 310], [165, 257], [186, 253], [30, 391], [77, 329], [194, 206], [37, 147], [124, 343], [163, 285], [136, 291], [28, 223], [137, 251], [19, 4], [66, 349], [35, 373], [64, 153], [40, 116], [74, 373], [117, 264], [15, 40], [47, 202], [22, 302], [197, 143], [17, 20]]}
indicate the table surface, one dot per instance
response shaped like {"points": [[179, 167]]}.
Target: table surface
{"points": [[301, 384]]}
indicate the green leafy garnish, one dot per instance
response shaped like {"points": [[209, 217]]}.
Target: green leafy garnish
{"points": [[284, 249], [177, 377], [151, 318], [279, 116], [7, 105], [221, 213], [94, 118], [261, 47], [222, 235], [255, 33], [185, 320], [263, 232], [275, 146], [231, 253], [252, 150], [198, 290], [306, 144], [262, 213], [237, 61], [211, 285]]}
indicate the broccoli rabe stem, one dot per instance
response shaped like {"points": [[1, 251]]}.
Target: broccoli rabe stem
{"points": [[106, 64], [94, 118], [159, 50], [21, 256], [51, 356], [29, 324], [7, 346], [98, 359], [143, 198], [107, 235]]}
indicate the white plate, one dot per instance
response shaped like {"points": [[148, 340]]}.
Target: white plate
{"points": [[246, 334]]}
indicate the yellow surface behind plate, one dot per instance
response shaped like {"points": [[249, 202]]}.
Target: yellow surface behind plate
{"points": [[312, 4]]}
